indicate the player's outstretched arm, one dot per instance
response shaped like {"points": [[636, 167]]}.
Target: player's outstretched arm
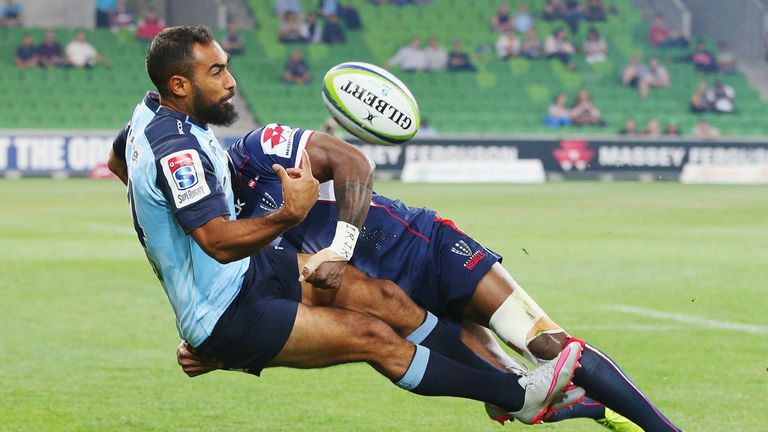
{"points": [[228, 241], [352, 175]]}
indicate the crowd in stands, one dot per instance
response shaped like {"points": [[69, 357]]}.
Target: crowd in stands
{"points": [[304, 28], [79, 53], [11, 15]]}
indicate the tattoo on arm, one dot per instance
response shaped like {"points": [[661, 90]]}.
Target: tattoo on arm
{"points": [[353, 197]]}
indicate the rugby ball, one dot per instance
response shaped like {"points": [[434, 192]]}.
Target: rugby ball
{"points": [[371, 103]]}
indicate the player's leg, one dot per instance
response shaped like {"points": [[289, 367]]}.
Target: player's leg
{"points": [[326, 336], [500, 303], [388, 302]]}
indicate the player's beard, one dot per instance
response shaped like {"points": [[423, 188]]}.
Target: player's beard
{"points": [[219, 113]]}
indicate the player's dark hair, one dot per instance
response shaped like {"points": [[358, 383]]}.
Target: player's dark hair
{"points": [[171, 54]]}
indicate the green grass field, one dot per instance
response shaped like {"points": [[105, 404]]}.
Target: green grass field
{"points": [[670, 280]]}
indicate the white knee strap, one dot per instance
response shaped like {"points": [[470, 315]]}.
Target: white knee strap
{"points": [[515, 318]]}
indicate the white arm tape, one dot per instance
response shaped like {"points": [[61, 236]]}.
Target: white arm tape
{"points": [[344, 240]]}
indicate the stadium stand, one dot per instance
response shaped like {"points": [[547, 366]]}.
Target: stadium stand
{"points": [[503, 96]]}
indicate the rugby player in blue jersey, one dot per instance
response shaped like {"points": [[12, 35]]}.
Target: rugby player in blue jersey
{"points": [[436, 264], [242, 304]]}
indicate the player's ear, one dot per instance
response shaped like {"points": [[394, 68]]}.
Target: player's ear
{"points": [[179, 86]]}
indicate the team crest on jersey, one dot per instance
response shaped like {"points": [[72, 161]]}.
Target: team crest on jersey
{"points": [[473, 257], [184, 173], [268, 203], [278, 140], [461, 248]]}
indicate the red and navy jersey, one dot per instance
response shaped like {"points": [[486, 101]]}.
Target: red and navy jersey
{"points": [[393, 241]]}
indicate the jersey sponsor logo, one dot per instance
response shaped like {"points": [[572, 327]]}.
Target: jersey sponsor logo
{"points": [[252, 182], [180, 126], [278, 140], [185, 175]]}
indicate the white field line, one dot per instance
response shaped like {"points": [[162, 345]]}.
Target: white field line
{"points": [[691, 320]]}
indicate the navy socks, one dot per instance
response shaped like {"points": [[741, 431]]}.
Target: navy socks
{"points": [[604, 381]]}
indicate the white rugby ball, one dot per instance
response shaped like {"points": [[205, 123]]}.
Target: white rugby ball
{"points": [[371, 103]]}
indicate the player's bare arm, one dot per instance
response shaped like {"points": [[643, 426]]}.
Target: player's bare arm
{"points": [[352, 175], [228, 241], [118, 167]]}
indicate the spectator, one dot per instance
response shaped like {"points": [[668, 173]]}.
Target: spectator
{"points": [[595, 10], [121, 18], [436, 56], [332, 31], [311, 30], [426, 130], [595, 47], [104, 9], [558, 47], [523, 20], [553, 10], [149, 26], [531, 47], [81, 54], [700, 101], [458, 59], [660, 36], [703, 60], [26, 53], [584, 112], [672, 129], [726, 61], [50, 52], [350, 16], [328, 8], [410, 58], [652, 128], [632, 74], [573, 15], [291, 29], [284, 6], [508, 45], [501, 21], [234, 43], [655, 75], [11, 15], [296, 70], [630, 127], [703, 130], [722, 97], [558, 114]]}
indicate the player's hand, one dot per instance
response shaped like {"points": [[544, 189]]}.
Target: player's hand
{"points": [[300, 189], [193, 364], [324, 269]]}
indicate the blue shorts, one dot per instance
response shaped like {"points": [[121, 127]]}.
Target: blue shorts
{"points": [[256, 325], [454, 266]]}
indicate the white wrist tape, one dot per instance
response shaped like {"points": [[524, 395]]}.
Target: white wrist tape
{"points": [[344, 240]]}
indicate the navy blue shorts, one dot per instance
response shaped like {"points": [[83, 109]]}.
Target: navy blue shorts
{"points": [[454, 266], [256, 325]]}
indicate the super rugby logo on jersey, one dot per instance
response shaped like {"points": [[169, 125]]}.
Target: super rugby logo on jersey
{"points": [[185, 176], [183, 169], [278, 140], [461, 248]]}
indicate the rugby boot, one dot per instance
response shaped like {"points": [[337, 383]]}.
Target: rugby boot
{"points": [[542, 386], [616, 422]]}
